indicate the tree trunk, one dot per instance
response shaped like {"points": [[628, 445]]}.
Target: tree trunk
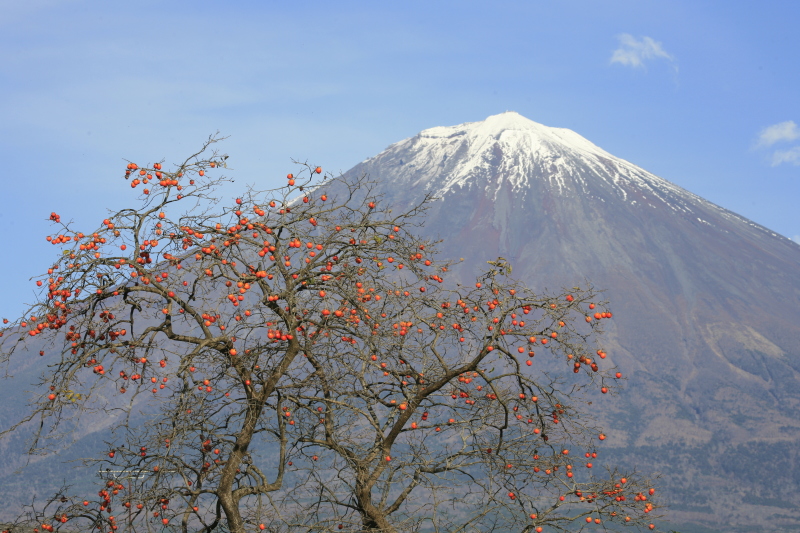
{"points": [[372, 518]]}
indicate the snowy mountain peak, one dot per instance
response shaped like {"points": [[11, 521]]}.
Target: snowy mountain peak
{"points": [[508, 155], [510, 151], [511, 128]]}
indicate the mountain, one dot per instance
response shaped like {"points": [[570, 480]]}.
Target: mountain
{"points": [[706, 309], [706, 303]]}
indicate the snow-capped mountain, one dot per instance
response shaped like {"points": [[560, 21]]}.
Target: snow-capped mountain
{"points": [[510, 152], [706, 302], [706, 309]]}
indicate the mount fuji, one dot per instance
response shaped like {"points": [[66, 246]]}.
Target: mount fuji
{"points": [[706, 310], [706, 302]]}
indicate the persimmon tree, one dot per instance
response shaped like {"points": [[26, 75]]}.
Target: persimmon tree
{"points": [[296, 360]]}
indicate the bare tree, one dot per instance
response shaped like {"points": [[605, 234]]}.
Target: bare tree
{"points": [[293, 362]]}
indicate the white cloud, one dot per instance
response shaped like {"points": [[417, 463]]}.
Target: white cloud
{"points": [[633, 52], [792, 156], [796, 239], [784, 131]]}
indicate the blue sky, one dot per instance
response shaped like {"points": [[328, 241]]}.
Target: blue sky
{"points": [[704, 94]]}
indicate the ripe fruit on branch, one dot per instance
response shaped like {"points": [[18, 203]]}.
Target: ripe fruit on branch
{"points": [[303, 323]]}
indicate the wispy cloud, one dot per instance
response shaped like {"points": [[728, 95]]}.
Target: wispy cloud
{"points": [[791, 156], [634, 52], [784, 131], [781, 132]]}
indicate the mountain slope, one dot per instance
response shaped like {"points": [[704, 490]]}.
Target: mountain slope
{"points": [[706, 303]]}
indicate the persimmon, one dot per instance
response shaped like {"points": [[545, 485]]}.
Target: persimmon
{"points": [[292, 333]]}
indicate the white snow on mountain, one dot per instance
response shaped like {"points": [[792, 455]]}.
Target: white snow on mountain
{"points": [[524, 149], [510, 149]]}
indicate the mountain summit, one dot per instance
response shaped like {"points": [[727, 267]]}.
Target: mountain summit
{"points": [[510, 152], [706, 302], [525, 146]]}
